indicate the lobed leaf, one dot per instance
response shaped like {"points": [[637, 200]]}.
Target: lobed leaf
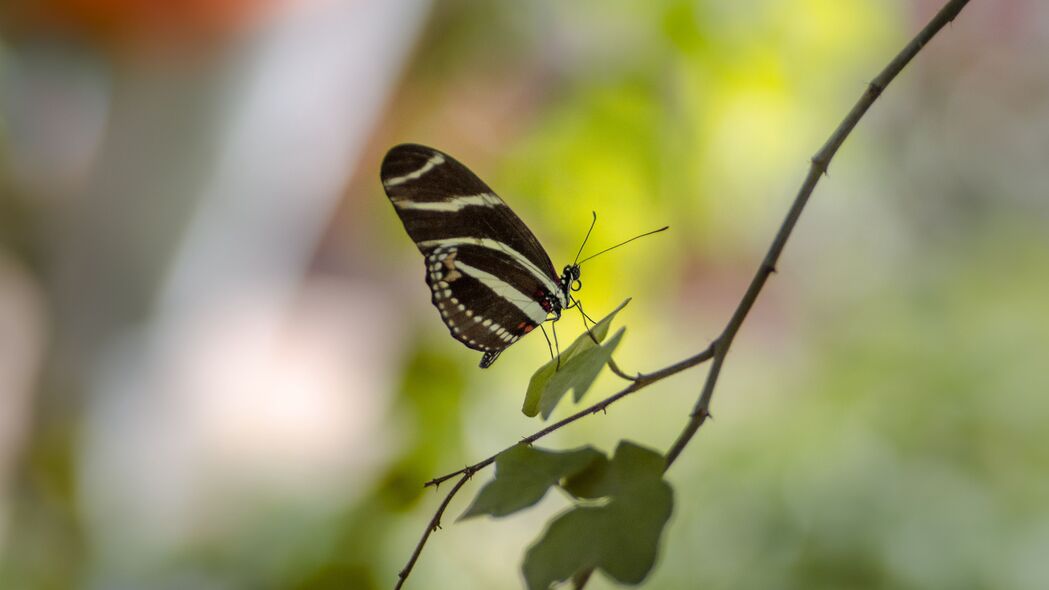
{"points": [[621, 537], [581, 362], [523, 474]]}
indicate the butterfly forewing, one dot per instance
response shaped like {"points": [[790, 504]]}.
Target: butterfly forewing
{"points": [[491, 279]]}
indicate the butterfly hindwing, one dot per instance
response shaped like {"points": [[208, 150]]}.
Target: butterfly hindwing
{"points": [[490, 278], [480, 312]]}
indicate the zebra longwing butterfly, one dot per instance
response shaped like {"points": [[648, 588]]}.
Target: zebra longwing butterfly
{"points": [[490, 277]]}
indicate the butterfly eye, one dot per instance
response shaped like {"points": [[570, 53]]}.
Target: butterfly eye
{"points": [[577, 285]]}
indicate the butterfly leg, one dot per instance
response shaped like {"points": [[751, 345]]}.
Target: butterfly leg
{"points": [[611, 362], [578, 304], [548, 345], [553, 328]]}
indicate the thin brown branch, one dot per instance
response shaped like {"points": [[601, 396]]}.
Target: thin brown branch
{"points": [[435, 523], [817, 168], [464, 474], [636, 383], [717, 350]]}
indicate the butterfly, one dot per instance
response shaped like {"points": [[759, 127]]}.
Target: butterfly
{"points": [[490, 278]]}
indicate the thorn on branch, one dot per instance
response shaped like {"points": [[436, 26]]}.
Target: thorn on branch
{"points": [[703, 414], [820, 163]]}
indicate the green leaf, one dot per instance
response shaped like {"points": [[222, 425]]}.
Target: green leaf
{"points": [[603, 478], [581, 362], [585, 368], [523, 474], [621, 537]]}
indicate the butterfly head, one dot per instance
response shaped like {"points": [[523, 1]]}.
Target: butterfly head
{"points": [[570, 279]]}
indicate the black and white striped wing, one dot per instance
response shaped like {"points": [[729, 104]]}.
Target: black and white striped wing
{"points": [[491, 279]]}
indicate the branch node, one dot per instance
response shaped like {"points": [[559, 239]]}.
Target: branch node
{"points": [[875, 89]]}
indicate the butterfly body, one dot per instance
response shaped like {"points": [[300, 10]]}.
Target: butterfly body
{"points": [[490, 278]]}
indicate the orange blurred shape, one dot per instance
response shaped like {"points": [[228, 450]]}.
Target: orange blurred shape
{"points": [[130, 24]]}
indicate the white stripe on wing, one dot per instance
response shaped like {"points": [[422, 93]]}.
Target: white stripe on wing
{"points": [[452, 204], [550, 284], [526, 304], [435, 160]]}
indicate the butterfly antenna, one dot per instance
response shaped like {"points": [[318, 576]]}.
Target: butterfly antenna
{"points": [[655, 231], [592, 223]]}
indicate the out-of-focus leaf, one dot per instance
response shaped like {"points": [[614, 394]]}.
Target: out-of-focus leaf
{"points": [[621, 537], [590, 483], [523, 474], [580, 364]]}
